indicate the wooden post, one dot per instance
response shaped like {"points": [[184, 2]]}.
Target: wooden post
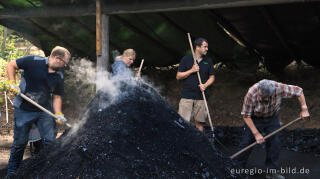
{"points": [[98, 28], [102, 46]]}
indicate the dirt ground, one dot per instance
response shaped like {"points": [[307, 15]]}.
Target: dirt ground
{"points": [[225, 101], [230, 87]]}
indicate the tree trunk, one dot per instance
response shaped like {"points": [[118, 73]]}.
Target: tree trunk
{"points": [[3, 45]]}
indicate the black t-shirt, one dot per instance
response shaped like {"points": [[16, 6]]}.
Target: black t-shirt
{"points": [[37, 83], [190, 88]]}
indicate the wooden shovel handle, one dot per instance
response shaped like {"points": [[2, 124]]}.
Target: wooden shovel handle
{"points": [[266, 137], [40, 107]]}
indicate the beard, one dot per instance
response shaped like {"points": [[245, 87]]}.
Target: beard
{"points": [[56, 68]]}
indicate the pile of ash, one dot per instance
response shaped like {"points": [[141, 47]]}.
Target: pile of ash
{"points": [[137, 135]]}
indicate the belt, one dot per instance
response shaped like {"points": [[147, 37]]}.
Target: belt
{"points": [[264, 117]]}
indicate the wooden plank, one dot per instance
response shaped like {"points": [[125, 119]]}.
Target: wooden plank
{"points": [[136, 7]]}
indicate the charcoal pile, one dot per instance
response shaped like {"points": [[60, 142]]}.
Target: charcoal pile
{"points": [[298, 140], [137, 135]]}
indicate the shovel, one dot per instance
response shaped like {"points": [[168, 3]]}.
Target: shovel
{"points": [[40, 107], [266, 137]]}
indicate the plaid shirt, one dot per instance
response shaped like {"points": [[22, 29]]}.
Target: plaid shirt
{"points": [[253, 106]]}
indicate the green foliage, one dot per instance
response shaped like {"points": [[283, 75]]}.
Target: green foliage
{"points": [[8, 53]]}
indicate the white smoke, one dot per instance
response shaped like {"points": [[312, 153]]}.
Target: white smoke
{"points": [[84, 70]]}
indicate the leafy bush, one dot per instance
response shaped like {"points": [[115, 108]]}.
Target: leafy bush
{"points": [[10, 52]]}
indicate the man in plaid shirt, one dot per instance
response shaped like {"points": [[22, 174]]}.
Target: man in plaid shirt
{"points": [[260, 114]]}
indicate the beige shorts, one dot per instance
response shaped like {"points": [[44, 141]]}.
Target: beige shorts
{"points": [[189, 108]]}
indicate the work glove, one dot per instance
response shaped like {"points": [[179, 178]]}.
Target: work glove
{"points": [[14, 89], [9, 86], [60, 119]]}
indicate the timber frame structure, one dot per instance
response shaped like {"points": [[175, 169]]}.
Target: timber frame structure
{"points": [[240, 32]]}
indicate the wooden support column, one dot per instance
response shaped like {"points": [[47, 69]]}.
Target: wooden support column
{"points": [[102, 46]]}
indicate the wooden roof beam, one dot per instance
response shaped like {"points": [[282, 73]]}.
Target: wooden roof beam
{"points": [[275, 28], [181, 29], [145, 7], [54, 36], [92, 32], [229, 27], [172, 52]]}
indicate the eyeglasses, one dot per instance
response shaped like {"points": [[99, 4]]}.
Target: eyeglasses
{"points": [[64, 62]]}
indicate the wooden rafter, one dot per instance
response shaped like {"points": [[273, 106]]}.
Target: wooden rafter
{"points": [[91, 31], [141, 20], [182, 30], [145, 7], [228, 26], [175, 25], [54, 36], [147, 36], [31, 3], [276, 29]]}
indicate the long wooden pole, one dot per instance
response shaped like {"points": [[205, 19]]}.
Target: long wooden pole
{"points": [[40, 107], [198, 74], [141, 64], [266, 137], [7, 112]]}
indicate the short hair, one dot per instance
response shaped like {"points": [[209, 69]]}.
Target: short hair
{"points": [[129, 52], [198, 42], [60, 52], [266, 87]]}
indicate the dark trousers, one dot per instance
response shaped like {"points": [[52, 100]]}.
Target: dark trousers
{"points": [[264, 125], [23, 121]]}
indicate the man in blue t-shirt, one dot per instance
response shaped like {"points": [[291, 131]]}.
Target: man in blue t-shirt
{"points": [[40, 81], [192, 103]]}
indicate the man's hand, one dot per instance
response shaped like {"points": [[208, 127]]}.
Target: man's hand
{"points": [[195, 68], [138, 75], [259, 138], [60, 118], [202, 87], [14, 88], [304, 112]]}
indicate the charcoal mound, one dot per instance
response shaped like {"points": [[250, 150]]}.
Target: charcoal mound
{"points": [[138, 135], [297, 140]]}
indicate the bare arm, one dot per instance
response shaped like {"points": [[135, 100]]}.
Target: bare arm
{"points": [[57, 103], [304, 109], [11, 70], [207, 83], [254, 130], [184, 75]]}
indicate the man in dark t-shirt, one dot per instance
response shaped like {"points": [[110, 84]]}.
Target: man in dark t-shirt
{"points": [[192, 103], [39, 81]]}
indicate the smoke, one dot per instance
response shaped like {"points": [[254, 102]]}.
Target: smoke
{"points": [[83, 72]]}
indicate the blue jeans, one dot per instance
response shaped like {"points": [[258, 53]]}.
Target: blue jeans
{"points": [[266, 125], [23, 121]]}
